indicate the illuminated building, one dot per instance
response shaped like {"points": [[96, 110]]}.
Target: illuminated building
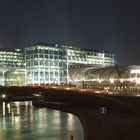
{"points": [[45, 64], [11, 66], [116, 79], [50, 64], [89, 57]]}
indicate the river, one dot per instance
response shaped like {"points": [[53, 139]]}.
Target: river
{"points": [[23, 121]]}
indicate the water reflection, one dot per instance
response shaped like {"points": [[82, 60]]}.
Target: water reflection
{"points": [[3, 108], [9, 109], [21, 121]]}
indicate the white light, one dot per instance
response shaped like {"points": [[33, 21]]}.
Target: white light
{"points": [[68, 88], [138, 80], [131, 79], [111, 80], [121, 80], [3, 95], [3, 108], [8, 106], [135, 71]]}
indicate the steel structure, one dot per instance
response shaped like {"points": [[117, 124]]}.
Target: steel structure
{"points": [[123, 78]]}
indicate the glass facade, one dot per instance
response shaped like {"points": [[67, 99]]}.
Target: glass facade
{"points": [[111, 80], [45, 64], [88, 57], [10, 61], [11, 58]]}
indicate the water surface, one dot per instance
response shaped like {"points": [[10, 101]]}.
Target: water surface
{"points": [[22, 121]]}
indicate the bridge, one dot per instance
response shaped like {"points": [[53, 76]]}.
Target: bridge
{"points": [[104, 116]]}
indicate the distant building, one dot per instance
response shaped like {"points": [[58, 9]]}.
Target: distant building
{"points": [[89, 57], [11, 60], [117, 79], [50, 64], [46, 65], [43, 64]]}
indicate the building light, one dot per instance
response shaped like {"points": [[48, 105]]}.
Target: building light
{"points": [[111, 80], [121, 80], [134, 71]]}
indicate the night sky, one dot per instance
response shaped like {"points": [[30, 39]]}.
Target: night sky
{"points": [[110, 25]]}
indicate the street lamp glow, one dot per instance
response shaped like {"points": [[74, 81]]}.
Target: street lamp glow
{"points": [[99, 80], [121, 80], [3, 95], [138, 80], [111, 80], [131, 79]]}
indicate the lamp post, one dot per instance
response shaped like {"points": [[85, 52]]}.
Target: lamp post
{"points": [[111, 82], [84, 79], [83, 83], [3, 96], [138, 84]]}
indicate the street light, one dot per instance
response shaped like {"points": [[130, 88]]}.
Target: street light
{"points": [[111, 81], [138, 84], [3, 96], [111, 84], [83, 83]]}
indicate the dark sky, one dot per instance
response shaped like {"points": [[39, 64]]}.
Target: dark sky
{"points": [[111, 25]]}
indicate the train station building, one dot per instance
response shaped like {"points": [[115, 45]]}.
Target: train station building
{"points": [[42, 64], [114, 78]]}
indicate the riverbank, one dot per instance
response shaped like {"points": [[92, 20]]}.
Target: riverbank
{"points": [[120, 122]]}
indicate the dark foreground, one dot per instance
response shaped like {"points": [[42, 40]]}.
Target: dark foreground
{"points": [[120, 122]]}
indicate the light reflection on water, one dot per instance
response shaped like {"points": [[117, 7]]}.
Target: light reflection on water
{"points": [[27, 122]]}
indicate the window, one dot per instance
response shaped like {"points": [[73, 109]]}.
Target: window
{"points": [[35, 63], [41, 63], [46, 56], [51, 63], [40, 55], [55, 57], [51, 56], [47, 63], [36, 56]]}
